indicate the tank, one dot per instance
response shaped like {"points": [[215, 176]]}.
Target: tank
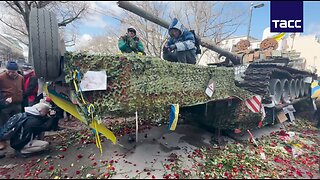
{"points": [[277, 75], [133, 82]]}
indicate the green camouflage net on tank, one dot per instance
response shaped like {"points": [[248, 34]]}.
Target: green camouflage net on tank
{"points": [[150, 85]]}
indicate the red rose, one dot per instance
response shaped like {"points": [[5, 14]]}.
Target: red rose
{"points": [[106, 175], [235, 170], [51, 168]]}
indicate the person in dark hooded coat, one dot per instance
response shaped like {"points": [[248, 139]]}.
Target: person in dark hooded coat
{"points": [[181, 45]]}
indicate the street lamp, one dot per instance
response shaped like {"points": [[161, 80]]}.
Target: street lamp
{"points": [[251, 8]]}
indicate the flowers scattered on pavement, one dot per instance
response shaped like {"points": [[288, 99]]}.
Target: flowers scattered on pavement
{"points": [[288, 155]]}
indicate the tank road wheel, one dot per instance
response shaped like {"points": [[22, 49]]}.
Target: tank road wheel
{"points": [[306, 89], [298, 87], [275, 90], [44, 38], [292, 86], [301, 89], [286, 90]]}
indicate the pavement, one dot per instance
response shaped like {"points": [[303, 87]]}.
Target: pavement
{"points": [[142, 159], [73, 153]]}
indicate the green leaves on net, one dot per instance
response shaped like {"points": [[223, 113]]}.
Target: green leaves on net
{"points": [[151, 85]]}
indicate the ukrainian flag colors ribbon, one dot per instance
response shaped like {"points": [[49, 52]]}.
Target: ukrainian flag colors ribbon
{"points": [[71, 109], [315, 90], [173, 117], [278, 37]]}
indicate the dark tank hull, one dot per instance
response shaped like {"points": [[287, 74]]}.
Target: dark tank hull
{"points": [[276, 82]]}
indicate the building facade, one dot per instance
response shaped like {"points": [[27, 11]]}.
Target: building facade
{"points": [[307, 45], [10, 50]]}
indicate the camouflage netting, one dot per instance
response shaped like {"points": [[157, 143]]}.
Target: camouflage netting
{"points": [[150, 85]]}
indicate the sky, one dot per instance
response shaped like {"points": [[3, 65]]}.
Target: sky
{"points": [[261, 19], [95, 25]]}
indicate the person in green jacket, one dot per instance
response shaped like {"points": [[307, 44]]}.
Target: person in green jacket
{"points": [[130, 42]]}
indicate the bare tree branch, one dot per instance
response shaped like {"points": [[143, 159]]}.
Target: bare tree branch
{"points": [[42, 4], [14, 8], [69, 20], [208, 19], [19, 7], [23, 42], [17, 19], [13, 27]]}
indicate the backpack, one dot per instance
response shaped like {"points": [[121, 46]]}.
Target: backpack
{"points": [[12, 126], [198, 50]]}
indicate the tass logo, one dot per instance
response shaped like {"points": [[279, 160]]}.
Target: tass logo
{"points": [[286, 16], [287, 24]]}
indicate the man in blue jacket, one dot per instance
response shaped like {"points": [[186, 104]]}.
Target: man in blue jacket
{"points": [[181, 44]]}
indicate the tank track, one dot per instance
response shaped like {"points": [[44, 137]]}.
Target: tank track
{"points": [[257, 77]]}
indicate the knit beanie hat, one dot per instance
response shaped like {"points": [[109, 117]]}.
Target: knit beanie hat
{"points": [[11, 65], [131, 28]]}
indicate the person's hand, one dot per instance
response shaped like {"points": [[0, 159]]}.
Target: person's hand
{"points": [[166, 48], [9, 100], [52, 112], [126, 39], [133, 45], [172, 47], [142, 53]]}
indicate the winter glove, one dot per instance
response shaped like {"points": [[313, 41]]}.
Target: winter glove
{"points": [[126, 39], [172, 47], [141, 53], [133, 45]]}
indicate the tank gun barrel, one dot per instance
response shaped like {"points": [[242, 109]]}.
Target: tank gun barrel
{"points": [[235, 58]]}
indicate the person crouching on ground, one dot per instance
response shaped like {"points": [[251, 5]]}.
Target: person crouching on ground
{"points": [[38, 120]]}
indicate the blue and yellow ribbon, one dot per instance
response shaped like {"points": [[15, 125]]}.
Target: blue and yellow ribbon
{"points": [[173, 117], [67, 106], [315, 90]]}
